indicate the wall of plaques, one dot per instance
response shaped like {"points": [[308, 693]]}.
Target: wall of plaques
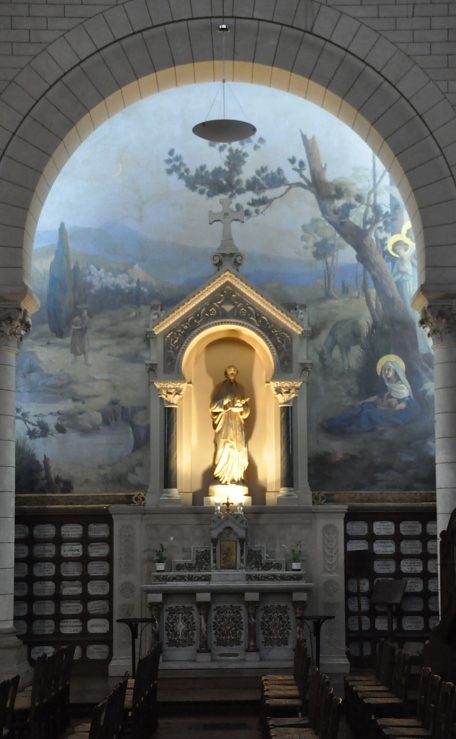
{"points": [[399, 544], [63, 584]]}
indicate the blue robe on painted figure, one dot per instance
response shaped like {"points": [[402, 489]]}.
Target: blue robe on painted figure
{"points": [[396, 407]]}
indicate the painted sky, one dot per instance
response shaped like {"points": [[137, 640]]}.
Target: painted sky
{"points": [[118, 173]]}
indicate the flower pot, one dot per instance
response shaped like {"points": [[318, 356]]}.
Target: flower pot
{"points": [[159, 566], [297, 566]]}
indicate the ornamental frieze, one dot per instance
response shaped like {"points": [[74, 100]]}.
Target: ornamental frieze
{"points": [[285, 390], [275, 625], [170, 392], [228, 625], [228, 304]]}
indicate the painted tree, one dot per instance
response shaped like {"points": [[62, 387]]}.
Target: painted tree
{"points": [[354, 215], [60, 303], [320, 240]]}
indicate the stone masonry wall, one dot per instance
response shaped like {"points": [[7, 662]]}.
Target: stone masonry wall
{"points": [[426, 31]]}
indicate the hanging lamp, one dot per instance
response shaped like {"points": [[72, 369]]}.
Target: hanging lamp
{"points": [[224, 130]]}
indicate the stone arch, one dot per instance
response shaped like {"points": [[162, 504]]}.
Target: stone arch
{"points": [[140, 47]]}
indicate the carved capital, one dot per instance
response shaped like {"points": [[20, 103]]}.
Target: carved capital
{"points": [[305, 368], [15, 323], [439, 319], [171, 391], [285, 390]]}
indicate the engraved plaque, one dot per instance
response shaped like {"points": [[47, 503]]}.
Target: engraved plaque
{"points": [[432, 566], [383, 528], [353, 623], [433, 585], [97, 651], [43, 588], [431, 528], [410, 528], [413, 647], [414, 585], [70, 607], [71, 587], [413, 623], [98, 530], [21, 531], [77, 653], [98, 607], [43, 626], [98, 626], [432, 546], [20, 608], [44, 608], [37, 652], [411, 565], [98, 569], [98, 549], [356, 545], [412, 604], [433, 603], [20, 589], [21, 627], [353, 584], [357, 528], [44, 531], [384, 566], [411, 546], [381, 623], [44, 569], [71, 550], [44, 551], [20, 551], [384, 546], [363, 603], [20, 569], [98, 587], [71, 569], [71, 531], [433, 621], [71, 626]]}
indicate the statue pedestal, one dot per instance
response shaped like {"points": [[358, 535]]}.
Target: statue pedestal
{"points": [[235, 493]]}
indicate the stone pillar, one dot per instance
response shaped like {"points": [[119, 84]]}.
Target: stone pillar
{"points": [[251, 601], [170, 392], [203, 601], [14, 324], [439, 318]]}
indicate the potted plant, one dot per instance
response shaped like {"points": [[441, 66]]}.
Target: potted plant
{"points": [[294, 555], [159, 557]]}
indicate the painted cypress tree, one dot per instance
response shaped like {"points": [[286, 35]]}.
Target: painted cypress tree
{"points": [[79, 290], [60, 303]]}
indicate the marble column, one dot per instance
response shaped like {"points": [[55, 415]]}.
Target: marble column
{"points": [[14, 324], [439, 318], [285, 391], [170, 392]]}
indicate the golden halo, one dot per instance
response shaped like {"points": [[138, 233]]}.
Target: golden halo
{"points": [[394, 239], [407, 227], [389, 358]]}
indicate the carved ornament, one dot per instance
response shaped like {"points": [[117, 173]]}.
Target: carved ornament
{"points": [[228, 304], [15, 323], [439, 319], [285, 390], [171, 392], [330, 548]]}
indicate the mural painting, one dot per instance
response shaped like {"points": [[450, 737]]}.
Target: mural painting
{"points": [[125, 229]]}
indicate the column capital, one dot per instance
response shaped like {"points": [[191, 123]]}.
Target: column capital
{"points": [[171, 391], [15, 323], [285, 390], [438, 318]]}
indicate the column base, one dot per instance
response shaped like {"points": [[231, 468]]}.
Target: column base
{"points": [[170, 496], [287, 496], [14, 658]]}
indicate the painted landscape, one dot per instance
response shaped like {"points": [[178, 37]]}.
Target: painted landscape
{"points": [[125, 228]]}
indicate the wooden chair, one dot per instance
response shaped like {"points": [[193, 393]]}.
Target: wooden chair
{"points": [[381, 678], [33, 716], [442, 722], [140, 707], [318, 686], [426, 702], [300, 655], [107, 718], [328, 726], [8, 691]]}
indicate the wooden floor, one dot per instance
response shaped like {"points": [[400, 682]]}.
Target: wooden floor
{"points": [[201, 706]]}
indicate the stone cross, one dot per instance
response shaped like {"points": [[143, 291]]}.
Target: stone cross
{"points": [[226, 217]]}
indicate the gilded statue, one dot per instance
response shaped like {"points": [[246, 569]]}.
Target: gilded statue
{"points": [[229, 408]]}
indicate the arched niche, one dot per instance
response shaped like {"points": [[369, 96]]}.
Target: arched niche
{"points": [[203, 364]]}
